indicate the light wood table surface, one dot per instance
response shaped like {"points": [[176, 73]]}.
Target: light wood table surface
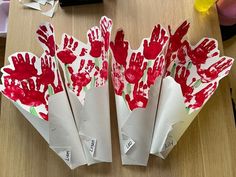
{"points": [[208, 147]]}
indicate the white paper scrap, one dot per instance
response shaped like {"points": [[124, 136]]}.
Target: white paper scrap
{"points": [[33, 5], [51, 12]]}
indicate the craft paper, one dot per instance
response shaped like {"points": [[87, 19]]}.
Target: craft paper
{"points": [[184, 78], [85, 68], [36, 5], [35, 86], [193, 74], [136, 76]]}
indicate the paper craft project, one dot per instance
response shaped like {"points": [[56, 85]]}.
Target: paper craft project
{"points": [[160, 88], [136, 76], [85, 68], [62, 114]]}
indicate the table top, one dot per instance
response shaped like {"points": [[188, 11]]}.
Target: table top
{"points": [[208, 147]]}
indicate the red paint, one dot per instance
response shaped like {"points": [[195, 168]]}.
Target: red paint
{"points": [[32, 96], [81, 78], [158, 39], [155, 71], [136, 68], [96, 44], [211, 73], [44, 116], [24, 69], [117, 79], [181, 77], [139, 100], [12, 89], [104, 70], [105, 26], [83, 52], [199, 54], [201, 96], [47, 76], [66, 56], [120, 48], [46, 39], [175, 40]]}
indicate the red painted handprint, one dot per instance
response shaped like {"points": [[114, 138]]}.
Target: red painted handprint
{"points": [[67, 55], [46, 37], [201, 96], [181, 77], [213, 72], [120, 48], [158, 39], [117, 79], [136, 68], [200, 53], [104, 71], [32, 95], [139, 97], [12, 89], [155, 71], [105, 25], [48, 72], [23, 67], [175, 40], [95, 40], [81, 78]]}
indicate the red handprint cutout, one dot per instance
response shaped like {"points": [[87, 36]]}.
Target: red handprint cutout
{"points": [[12, 89], [155, 71], [95, 40], [105, 25], [48, 72], [175, 40], [158, 39], [200, 53], [120, 48], [67, 55], [23, 66], [213, 72], [32, 95], [139, 97], [181, 77], [117, 79], [46, 37], [136, 68], [81, 78], [201, 96]]}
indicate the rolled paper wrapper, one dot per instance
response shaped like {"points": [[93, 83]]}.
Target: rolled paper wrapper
{"points": [[85, 68], [93, 123], [193, 75], [172, 118], [136, 128], [136, 76], [63, 135]]}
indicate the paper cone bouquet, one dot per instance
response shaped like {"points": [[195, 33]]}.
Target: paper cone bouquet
{"points": [[159, 89]]}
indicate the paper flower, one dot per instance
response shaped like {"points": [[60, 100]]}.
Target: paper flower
{"points": [[86, 65]]}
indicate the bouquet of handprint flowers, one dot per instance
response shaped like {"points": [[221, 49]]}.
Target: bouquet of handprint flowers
{"points": [[160, 88], [71, 112]]}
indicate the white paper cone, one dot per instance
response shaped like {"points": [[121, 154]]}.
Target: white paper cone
{"points": [[172, 118], [93, 123], [136, 128], [42, 126], [63, 135]]}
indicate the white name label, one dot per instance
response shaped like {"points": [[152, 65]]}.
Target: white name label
{"points": [[128, 145]]}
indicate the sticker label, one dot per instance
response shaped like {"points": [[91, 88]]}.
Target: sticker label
{"points": [[128, 145], [66, 155], [92, 146]]}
